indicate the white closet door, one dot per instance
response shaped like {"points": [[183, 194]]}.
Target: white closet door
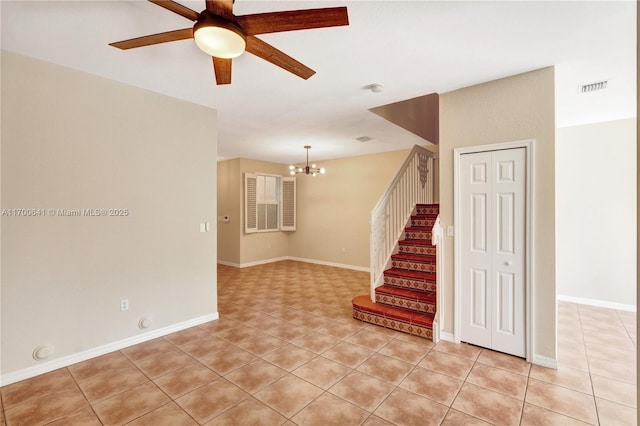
{"points": [[492, 253]]}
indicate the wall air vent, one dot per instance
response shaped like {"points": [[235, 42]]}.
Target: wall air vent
{"points": [[364, 139], [593, 87]]}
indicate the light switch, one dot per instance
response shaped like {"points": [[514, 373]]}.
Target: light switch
{"points": [[450, 231]]}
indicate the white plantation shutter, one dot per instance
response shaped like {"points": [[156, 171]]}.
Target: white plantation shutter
{"points": [[288, 204], [282, 213], [250, 203]]}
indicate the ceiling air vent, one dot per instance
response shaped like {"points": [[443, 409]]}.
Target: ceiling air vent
{"points": [[593, 87], [364, 139]]}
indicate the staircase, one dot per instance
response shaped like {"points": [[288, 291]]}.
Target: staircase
{"points": [[406, 301]]}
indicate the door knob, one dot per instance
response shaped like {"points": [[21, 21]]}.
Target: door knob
{"points": [[508, 263]]}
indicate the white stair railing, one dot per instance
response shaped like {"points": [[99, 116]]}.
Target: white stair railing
{"points": [[413, 184]]}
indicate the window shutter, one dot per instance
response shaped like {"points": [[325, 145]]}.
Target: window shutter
{"points": [[288, 203], [250, 203]]}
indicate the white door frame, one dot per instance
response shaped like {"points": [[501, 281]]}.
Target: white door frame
{"points": [[528, 145]]}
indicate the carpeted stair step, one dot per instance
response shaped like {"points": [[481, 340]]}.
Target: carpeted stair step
{"points": [[430, 209], [413, 280], [417, 233], [422, 220], [403, 320], [414, 262], [417, 247], [414, 300]]}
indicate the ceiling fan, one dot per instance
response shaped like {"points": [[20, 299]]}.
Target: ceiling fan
{"points": [[223, 35]]}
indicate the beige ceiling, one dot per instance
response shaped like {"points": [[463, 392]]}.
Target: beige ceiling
{"points": [[412, 47]]}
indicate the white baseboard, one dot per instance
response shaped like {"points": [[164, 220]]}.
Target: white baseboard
{"points": [[297, 259], [224, 262], [447, 337], [263, 262], [544, 361], [65, 361], [256, 263], [336, 265], [540, 360], [599, 303]]}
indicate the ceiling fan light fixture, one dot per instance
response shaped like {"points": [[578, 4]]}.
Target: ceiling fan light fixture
{"points": [[219, 38]]}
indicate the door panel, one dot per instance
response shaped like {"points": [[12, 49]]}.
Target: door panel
{"points": [[509, 256], [492, 186], [479, 172], [505, 221], [505, 171], [506, 302], [476, 263], [479, 223], [479, 299]]}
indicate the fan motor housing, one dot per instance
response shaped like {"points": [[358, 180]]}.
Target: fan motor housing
{"points": [[208, 19]]}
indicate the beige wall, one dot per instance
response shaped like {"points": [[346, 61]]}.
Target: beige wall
{"points": [[229, 197], [259, 246], [596, 211], [515, 108], [234, 246], [76, 141], [334, 209]]}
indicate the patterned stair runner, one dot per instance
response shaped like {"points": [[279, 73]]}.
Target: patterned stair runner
{"points": [[407, 299]]}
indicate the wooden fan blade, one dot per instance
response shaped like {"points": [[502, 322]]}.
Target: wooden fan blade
{"points": [[177, 8], [221, 7], [222, 69], [271, 54], [263, 23], [154, 39]]}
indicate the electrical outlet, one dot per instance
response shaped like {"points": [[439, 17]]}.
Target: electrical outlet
{"points": [[124, 305]]}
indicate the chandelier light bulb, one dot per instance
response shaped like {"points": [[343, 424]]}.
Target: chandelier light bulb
{"points": [[312, 169]]}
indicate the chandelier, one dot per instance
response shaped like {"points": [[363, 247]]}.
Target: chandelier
{"points": [[307, 170]]}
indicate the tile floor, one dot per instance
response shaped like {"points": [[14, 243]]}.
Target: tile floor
{"points": [[286, 351]]}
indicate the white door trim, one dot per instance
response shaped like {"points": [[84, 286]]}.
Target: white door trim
{"points": [[528, 145]]}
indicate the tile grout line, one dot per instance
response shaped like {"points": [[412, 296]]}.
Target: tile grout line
{"points": [[593, 391], [524, 397], [172, 400], [83, 395], [336, 319]]}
